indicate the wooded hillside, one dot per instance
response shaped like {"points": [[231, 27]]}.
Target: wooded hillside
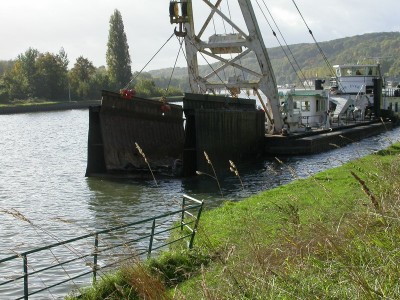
{"points": [[367, 48]]}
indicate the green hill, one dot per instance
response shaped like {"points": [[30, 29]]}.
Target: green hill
{"points": [[367, 48]]}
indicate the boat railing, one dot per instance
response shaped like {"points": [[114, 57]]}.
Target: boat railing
{"points": [[77, 260], [391, 92], [351, 118]]}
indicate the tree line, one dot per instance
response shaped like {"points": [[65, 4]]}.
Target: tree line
{"points": [[45, 76], [35, 75], [370, 48]]}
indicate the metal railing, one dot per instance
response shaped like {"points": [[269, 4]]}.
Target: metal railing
{"points": [[99, 251], [393, 92], [343, 119]]}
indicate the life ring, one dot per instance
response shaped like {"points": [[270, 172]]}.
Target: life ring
{"points": [[165, 107], [128, 93]]}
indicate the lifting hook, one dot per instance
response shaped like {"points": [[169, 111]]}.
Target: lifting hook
{"points": [[182, 32]]}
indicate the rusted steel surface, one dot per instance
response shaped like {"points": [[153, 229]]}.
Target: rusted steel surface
{"points": [[156, 128], [226, 128], [95, 150], [228, 135], [200, 101]]}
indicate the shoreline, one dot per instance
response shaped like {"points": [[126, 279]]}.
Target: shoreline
{"points": [[48, 107], [296, 230]]}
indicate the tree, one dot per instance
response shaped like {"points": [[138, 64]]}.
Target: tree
{"points": [[99, 81], [15, 83], [6, 65], [27, 72], [20, 80], [37, 75], [52, 76], [117, 56], [80, 75]]}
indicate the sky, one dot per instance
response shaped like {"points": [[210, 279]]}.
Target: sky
{"points": [[81, 27]]}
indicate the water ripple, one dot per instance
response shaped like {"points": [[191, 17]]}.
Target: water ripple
{"points": [[42, 170]]}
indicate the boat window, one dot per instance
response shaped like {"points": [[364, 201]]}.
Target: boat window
{"points": [[296, 106], [338, 72], [347, 72], [360, 71], [305, 106], [371, 71], [320, 105]]}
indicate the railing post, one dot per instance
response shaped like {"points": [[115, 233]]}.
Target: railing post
{"points": [[151, 238], [26, 288], [96, 247], [195, 226], [183, 212]]}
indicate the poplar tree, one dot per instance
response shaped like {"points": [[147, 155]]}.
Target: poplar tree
{"points": [[117, 56]]}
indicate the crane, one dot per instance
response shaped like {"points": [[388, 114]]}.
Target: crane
{"points": [[229, 49]]}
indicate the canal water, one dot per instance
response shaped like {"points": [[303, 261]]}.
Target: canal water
{"points": [[45, 197]]}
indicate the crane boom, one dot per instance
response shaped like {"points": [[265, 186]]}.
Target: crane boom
{"points": [[239, 44]]}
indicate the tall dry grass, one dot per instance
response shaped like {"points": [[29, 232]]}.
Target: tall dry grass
{"points": [[337, 237]]}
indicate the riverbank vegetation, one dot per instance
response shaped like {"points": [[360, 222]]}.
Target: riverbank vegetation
{"points": [[334, 235], [37, 75], [46, 75], [27, 102]]}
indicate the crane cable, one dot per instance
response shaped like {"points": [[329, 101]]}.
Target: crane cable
{"points": [[176, 60], [158, 51], [202, 55], [287, 46], [273, 32], [315, 41], [240, 60], [320, 50], [189, 68]]}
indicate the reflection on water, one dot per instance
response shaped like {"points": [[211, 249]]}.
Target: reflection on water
{"points": [[118, 201], [42, 170]]}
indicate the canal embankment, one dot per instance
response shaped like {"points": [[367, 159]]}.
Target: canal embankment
{"points": [[54, 106], [333, 234]]}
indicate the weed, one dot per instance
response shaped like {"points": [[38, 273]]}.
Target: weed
{"points": [[146, 161], [345, 248], [235, 171], [212, 176]]}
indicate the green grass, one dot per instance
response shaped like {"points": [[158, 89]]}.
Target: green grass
{"points": [[334, 235], [317, 238], [28, 102]]}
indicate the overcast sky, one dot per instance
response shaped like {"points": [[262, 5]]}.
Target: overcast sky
{"points": [[81, 27]]}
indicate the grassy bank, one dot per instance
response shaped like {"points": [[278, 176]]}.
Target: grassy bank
{"points": [[29, 102], [334, 235], [38, 106]]}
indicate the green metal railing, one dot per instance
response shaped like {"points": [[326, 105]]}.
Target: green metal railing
{"points": [[104, 243]]}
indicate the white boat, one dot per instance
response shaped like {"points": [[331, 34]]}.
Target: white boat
{"points": [[355, 95]]}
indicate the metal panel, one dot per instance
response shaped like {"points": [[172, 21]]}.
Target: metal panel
{"points": [[158, 132], [228, 135]]}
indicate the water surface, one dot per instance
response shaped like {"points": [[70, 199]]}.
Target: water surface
{"points": [[44, 195]]}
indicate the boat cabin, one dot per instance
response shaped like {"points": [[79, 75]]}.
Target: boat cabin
{"points": [[354, 79], [303, 109]]}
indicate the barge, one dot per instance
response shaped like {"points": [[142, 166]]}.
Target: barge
{"points": [[135, 137]]}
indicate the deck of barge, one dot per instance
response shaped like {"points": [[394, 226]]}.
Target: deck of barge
{"points": [[324, 140]]}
